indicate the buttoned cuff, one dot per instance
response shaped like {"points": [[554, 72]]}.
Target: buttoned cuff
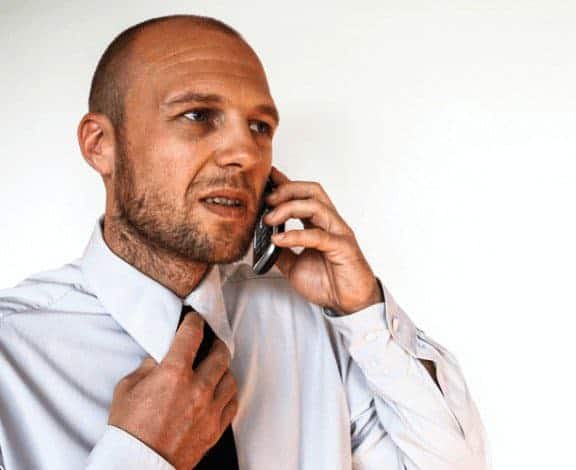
{"points": [[119, 450], [366, 333]]}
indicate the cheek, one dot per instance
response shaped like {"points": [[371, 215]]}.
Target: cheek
{"points": [[171, 172], [182, 150], [170, 156]]}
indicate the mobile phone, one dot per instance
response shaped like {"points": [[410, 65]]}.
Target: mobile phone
{"points": [[265, 253]]}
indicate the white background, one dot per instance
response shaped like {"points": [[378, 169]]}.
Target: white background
{"points": [[444, 132]]}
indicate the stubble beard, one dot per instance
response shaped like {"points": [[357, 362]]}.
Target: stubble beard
{"points": [[158, 223]]}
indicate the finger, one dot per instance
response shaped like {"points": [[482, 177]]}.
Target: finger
{"points": [[186, 341], [337, 247], [285, 261], [228, 412], [299, 190], [277, 176], [131, 379], [147, 364], [226, 388], [214, 365], [312, 210]]}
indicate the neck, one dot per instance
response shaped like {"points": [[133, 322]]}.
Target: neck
{"points": [[179, 275]]}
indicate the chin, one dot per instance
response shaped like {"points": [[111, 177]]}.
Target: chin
{"points": [[230, 252], [232, 245]]}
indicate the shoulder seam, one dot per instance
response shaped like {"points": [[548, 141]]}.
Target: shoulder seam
{"points": [[48, 305]]}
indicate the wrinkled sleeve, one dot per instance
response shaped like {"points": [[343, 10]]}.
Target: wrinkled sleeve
{"points": [[119, 450], [400, 418]]}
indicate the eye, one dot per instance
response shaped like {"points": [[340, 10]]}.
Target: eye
{"points": [[199, 114], [261, 127]]}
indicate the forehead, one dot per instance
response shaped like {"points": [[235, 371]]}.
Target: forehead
{"points": [[180, 58]]}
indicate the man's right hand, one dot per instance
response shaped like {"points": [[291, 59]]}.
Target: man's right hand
{"points": [[177, 411]]}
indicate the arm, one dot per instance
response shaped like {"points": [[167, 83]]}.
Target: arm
{"points": [[411, 408], [428, 426], [167, 415]]}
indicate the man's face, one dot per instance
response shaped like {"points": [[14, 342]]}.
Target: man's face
{"points": [[176, 148]]}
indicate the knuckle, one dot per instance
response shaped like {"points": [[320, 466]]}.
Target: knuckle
{"points": [[204, 385], [197, 338], [231, 381], [148, 361], [224, 359], [124, 381], [349, 240], [232, 408], [229, 388], [176, 371], [197, 395], [221, 352], [193, 321], [120, 386], [221, 364], [317, 205]]}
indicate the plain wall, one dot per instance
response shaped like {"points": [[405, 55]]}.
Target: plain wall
{"points": [[443, 132]]}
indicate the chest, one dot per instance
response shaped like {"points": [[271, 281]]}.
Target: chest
{"points": [[292, 406], [292, 415]]}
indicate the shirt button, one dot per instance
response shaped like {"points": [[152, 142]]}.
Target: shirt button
{"points": [[394, 325]]}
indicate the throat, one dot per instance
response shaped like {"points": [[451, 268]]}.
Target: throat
{"points": [[181, 276]]}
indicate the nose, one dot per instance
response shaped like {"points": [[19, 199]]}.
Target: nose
{"points": [[238, 146]]}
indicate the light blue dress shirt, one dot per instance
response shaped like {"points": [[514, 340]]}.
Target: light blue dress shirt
{"points": [[316, 391]]}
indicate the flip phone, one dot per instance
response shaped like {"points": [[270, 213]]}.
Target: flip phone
{"points": [[265, 253]]}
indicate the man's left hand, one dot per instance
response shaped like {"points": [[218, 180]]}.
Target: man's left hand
{"points": [[331, 271]]}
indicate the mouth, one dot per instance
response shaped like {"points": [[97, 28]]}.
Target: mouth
{"points": [[226, 203], [231, 212]]}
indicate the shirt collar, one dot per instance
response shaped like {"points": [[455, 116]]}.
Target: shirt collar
{"points": [[144, 308]]}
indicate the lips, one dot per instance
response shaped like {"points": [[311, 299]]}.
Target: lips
{"points": [[228, 193], [232, 212]]}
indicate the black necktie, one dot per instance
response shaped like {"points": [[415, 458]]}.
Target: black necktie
{"points": [[222, 456]]}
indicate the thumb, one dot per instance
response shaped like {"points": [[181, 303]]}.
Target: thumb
{"points": [[147, 364], [130, 380], [285, 261]]}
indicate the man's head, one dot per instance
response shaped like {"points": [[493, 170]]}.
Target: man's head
{"points": [[180, 107]]}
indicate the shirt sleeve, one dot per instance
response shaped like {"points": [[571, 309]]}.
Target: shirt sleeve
{"points": [[404, 421], [119, 450]]}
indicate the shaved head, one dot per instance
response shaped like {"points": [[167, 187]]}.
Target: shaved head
{"points": [[180, 111], [111, 78]]}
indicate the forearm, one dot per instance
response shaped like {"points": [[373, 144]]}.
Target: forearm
{"points": [[433, 424]]}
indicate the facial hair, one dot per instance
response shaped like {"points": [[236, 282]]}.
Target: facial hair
{"points": [[161, 223]]}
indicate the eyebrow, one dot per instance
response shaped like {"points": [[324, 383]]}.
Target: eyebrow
{"points": [[209, 98]]}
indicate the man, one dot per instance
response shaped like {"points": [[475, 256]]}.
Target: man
{"points": [[314, 365]]}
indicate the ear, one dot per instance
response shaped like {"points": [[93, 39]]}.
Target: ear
{"points": [[97, 142]]}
